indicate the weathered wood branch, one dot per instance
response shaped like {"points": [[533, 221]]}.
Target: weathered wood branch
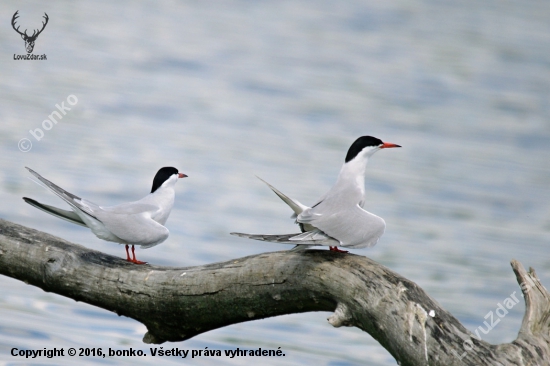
{"points": [[176, 304]]}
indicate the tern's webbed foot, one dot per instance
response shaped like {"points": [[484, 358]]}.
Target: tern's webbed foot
{"points": [[335, 249], [135, 261]]}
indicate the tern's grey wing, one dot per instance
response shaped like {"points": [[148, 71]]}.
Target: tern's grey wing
{"points": [[57, 212], [137, 229], [131, 208], [73, 201], [353, 228]]}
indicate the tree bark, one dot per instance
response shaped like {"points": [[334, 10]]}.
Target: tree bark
{"points": [[176, 304]]}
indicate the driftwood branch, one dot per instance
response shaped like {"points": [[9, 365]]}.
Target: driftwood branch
{"points": [[176, 304]]}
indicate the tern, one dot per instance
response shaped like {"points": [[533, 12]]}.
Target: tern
{"points": [[338, 218], [133, 223]]}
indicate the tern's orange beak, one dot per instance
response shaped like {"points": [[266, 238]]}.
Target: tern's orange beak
{"points": [[387, 145], [181, 175]]}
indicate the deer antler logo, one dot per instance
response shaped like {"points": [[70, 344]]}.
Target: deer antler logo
{"points": [[29, 40]]}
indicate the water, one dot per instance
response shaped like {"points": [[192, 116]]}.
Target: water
{"points": [[228, 90]]}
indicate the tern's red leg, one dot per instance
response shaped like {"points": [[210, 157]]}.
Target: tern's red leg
{"points": [[134, 254], [335, 249], [135, 260], [127, 254]]}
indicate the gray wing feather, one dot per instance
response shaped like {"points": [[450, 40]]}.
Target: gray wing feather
{"points": [[131, 208]]}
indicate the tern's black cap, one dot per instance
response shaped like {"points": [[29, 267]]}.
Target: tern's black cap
{"points": [[162, 176], [360, 144]]}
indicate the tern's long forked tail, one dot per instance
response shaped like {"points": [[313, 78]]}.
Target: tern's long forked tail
{"points": [[314, 237], [71, 199], [57, 212], [296, 206], [283, 238]]}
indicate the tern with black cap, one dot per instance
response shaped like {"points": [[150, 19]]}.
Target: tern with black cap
{"points": [[338, 218], [133, 223]]}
